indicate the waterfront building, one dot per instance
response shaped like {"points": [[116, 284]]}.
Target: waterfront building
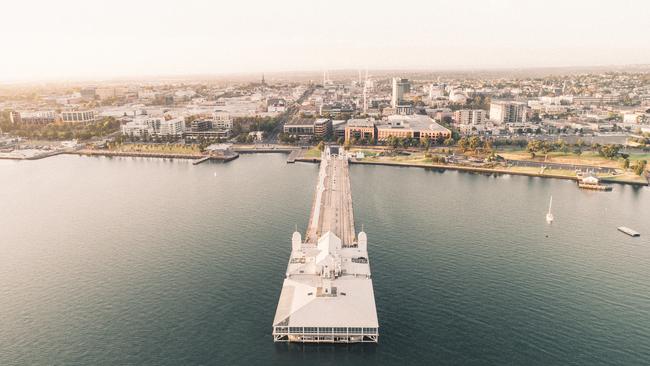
{"points": [[87, 116], [361, 129], [207, 134], [139, 127], [222, 120], [199, 125], [323, 128], [308, 127], [300, 127], [469, 116], [145, 125], [414, 126], [508, 111], [172, 127], [338, 129], [206, 129]]}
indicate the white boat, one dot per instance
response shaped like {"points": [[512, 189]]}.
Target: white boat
{"points": [[628, 231], [549, 215]]}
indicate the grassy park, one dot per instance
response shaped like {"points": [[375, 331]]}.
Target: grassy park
{"points": [[156, 148]]}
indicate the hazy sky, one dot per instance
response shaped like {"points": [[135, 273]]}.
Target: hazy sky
{"points": [[71, 39]]}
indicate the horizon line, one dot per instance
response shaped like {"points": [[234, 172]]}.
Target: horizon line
{"points": [[220, 75]]}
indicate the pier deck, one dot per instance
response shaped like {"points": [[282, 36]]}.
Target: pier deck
{"points": [[327, 295], [333, 210]]}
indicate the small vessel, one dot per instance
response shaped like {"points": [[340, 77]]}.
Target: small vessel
{"points": [[628, 231], [549, 215]]}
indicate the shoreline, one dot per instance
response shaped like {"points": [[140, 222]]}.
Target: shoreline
{"points": [[487, 170], [316, 160], [135, 154]]}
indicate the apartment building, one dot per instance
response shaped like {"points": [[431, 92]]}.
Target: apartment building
{"points": [[469, 116], [508, 111]]}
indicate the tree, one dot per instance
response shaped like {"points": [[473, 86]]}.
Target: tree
{"points": [[393, 141], [639, 167], [449, 141], [626, 163], [533, 147], [425, 142], [609, 151], [487, 145], [463, 143], [577, 150], [321, 146], [474, 143]]}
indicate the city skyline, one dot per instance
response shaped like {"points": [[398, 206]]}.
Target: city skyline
{"points": [[73, 40]]}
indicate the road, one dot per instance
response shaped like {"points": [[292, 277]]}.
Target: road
{"points": [[335, 212], [272, 137]]}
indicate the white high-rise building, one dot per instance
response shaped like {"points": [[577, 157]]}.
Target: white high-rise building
{"points": [[173, 127], [508, 112]]}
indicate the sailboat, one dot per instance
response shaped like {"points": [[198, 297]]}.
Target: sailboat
{"points": [[549, 215]]}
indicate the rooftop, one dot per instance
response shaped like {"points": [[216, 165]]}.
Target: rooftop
{"points": [[361, 122], [327, 294], [299, 121], [309, 299], [416, 122]]}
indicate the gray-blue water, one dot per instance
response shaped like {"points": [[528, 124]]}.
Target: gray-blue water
{"points": [[157, 262]]}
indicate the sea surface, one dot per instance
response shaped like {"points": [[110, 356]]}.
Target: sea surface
{"points": [[135, 261]]}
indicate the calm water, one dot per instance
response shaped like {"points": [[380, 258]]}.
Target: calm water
{"points": [[152, 262]]}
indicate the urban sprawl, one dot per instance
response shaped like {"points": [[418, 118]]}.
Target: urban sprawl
{"points": [[561, 124]]}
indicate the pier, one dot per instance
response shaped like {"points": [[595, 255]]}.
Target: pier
{"points": [[292, 156], [221, 157], [199, 161], [327, 295]]}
